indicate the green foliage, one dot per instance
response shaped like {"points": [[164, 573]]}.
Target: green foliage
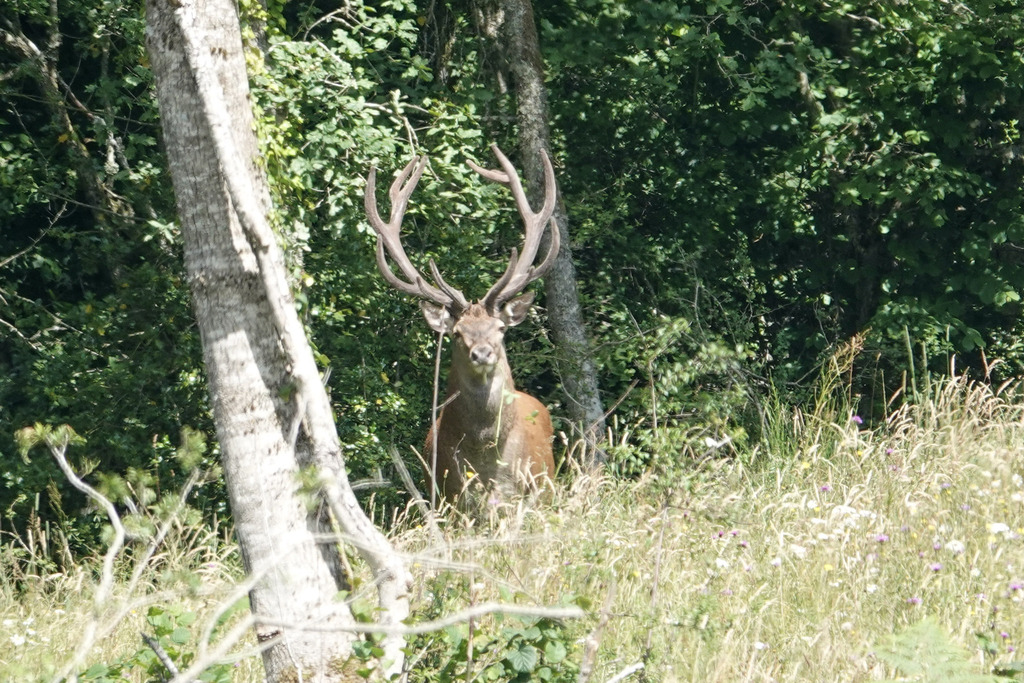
{"points": [[500, 648], [749, 185], [97, 331], [819, 169], [172, 632], [926, 652]]}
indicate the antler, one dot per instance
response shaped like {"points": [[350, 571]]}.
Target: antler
{"points": [[388, 239], [520, 271]]}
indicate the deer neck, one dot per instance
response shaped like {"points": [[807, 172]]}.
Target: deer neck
{"points": [[482, 401]]}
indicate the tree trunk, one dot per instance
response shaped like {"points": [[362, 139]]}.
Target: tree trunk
{"points": [[272, 414], [513, 52]]}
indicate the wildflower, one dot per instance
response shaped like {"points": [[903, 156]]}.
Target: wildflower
{"points": [[776, 562], [935, 566], [722, 563], [828, 567], [18, 640], [998, 528], [871, 587], [758, 645], [956, 547], [914, 601], [798, 550], [857, 419], [826, 488], [882, 538], [1004, 635]]}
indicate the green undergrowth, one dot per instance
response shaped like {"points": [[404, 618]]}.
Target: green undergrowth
{"points": [[829, 552]]}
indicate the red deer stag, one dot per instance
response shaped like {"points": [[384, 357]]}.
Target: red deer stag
{"points": [[487, 431]]}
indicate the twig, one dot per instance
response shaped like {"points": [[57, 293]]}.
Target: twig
{"points": [[162, 655], [657, 577], [465, 615], [593, 640], [88, 637], [433, 422], [430, 519], [626, 673]]}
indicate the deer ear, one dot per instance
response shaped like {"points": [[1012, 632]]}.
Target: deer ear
{"points": [[438, 317], [514, 312]]}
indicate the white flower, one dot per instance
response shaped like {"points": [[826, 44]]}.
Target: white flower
{"points": [[998, 528], [955, 547], [722, 563], [18, 640], [758, 645], [871, 587], [798, 550]]}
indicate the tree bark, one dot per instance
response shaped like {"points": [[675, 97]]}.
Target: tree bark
{"points": [[272, 413], [512, 49]]}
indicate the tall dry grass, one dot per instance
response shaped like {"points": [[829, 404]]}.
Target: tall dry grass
{"points": [[792, 562]]}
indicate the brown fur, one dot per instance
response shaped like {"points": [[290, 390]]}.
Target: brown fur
{"points": [[500, 435]]}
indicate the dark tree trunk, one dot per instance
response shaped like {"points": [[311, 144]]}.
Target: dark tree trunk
{"points": [[512, 51]]}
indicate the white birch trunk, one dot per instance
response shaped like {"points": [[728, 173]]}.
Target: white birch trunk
{"points": [[271, 411]]}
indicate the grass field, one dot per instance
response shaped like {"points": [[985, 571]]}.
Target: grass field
{"points": [[830, 552]]}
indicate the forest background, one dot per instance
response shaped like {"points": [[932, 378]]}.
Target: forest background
{"points": [[748, 184]]}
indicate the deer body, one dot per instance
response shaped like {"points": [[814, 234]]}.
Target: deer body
{"points": [[487, 433], [500, 436]]}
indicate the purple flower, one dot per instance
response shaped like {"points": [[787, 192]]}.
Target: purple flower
{"points": [[826, 488], [857, 419], [882, 538], [1004, 635], [935, 566], [914, 601]]}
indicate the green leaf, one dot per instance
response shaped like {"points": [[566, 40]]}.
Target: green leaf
{"points": [[554, 651], [523, 659]]}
